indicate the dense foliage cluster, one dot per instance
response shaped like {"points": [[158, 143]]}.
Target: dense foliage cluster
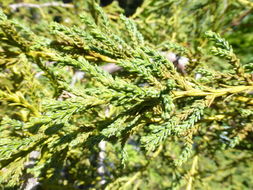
{"points": [[69, 122]]}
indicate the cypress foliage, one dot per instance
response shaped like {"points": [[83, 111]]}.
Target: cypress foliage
{"points": [[166, 123]]}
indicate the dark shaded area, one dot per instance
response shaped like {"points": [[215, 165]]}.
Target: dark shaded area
{"points": [[105, 2], [129, 6], [67, 1]]}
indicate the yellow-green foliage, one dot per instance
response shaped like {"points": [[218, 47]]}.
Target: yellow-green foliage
{"points": [[164, 127]]}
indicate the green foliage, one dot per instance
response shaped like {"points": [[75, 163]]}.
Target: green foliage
{"points": [[164, 128]]}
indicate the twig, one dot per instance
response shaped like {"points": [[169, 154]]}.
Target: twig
{"points": [[111, 67], [238, 21], [192, 173], [15, 6]]}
